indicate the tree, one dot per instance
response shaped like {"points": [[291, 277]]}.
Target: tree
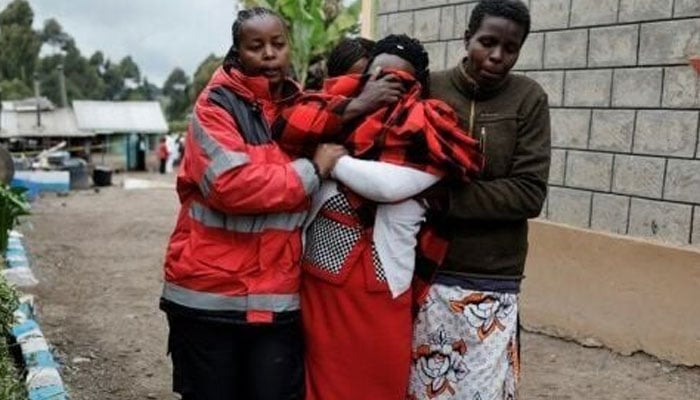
{"points": [[114, 81], [14, 90], [129, 69], [19, 44], [176, 87], [202, 75], [54, 36], [316, 27]]}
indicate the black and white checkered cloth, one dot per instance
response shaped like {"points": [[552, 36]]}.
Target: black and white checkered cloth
{"points": [[330, 242]]}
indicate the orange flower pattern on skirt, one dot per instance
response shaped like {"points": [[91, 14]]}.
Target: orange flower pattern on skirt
{"points": [[465, 346]]}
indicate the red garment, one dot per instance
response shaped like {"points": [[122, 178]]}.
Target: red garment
{"points": [[236, 245], [358, 339], [417, 133], [163, 151]]}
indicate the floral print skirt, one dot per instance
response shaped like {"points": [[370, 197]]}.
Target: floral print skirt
{"points": [[465, 346]]}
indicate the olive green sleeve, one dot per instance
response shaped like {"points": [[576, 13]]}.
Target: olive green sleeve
{"points": [[521, 194]]}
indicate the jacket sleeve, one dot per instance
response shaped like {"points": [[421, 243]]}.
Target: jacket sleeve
{"points": [[313, 119], [521, 194], [230, 181]]}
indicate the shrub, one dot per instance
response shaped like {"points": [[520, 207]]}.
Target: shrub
{"points": [[11, 384]]}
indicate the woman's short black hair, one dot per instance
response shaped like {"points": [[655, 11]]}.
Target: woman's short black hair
{"points": [[231, 59], [346, 54], [407, 48], [514, 10]]}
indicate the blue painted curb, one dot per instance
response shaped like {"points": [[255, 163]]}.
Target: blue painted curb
{"points": [[43, 379]]}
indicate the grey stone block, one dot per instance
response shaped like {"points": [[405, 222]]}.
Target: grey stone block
{"points": [[681, 87], [436, 53], [447, 23], [570, 128], [549, 14], [553, 84], [543, 212], [644, 10], [686, 8], [461, 20], [413, 4], [455, 53], [531, 52], [668, 222], [610, 213], [589, 88], [669, 42], [383, 28], [696, 227], [612, 130], [570, 206], [386, 6], [584, 13], [637, 87], [557, 167], [641, 176], [588, 170], [683, 181], [427, 24], [401, 23], [613, 46], [666, 133], [565, 49]]}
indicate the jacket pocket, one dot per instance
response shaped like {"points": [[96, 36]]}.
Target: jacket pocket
{"points": [[497, 134]]}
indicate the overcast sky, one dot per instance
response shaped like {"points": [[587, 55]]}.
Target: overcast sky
{"points": [[159, 34]]}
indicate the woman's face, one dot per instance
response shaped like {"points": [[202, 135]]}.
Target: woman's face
{"points": [[390, 61], [358, 67], [264, 48], [493, 50]]}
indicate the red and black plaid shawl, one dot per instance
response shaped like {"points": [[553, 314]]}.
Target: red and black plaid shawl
{"points": [[417, 133]]}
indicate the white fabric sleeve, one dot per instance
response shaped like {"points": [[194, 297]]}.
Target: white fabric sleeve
{"points": [[380, 181], [395, 234]]}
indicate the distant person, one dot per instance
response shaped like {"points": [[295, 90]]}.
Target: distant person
{"points": [[466, 336], [231, 291], [171, 142], [163, 155], [141, 151], [180, 148]]}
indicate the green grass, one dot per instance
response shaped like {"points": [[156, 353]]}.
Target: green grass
{"points": [[11, 383]]}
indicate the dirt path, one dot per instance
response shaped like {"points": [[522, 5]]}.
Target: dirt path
{"points": [[98, 257]]}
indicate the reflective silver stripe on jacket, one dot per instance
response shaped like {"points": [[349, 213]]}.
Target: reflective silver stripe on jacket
{"points": [[210, 301], [246, 223], [307, 173], [221, 160]]}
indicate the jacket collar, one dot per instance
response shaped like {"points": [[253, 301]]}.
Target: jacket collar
{"points": [[254, 88], [468, 86]]}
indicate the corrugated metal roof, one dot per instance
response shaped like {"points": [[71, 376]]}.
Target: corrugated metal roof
{"points": [[27, 105], [120, 117], [56, 123]]}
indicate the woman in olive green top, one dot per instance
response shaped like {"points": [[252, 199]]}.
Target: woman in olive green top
{"points": [[466, 333]]}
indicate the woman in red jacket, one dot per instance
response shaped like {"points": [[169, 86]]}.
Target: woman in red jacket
{"points": [[232, 264]]}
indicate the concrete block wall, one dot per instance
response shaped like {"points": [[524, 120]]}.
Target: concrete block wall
{"points": [[625, 105]]}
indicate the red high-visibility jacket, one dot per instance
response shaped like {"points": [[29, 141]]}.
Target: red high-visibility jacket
{"points": [[237, 242]]}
